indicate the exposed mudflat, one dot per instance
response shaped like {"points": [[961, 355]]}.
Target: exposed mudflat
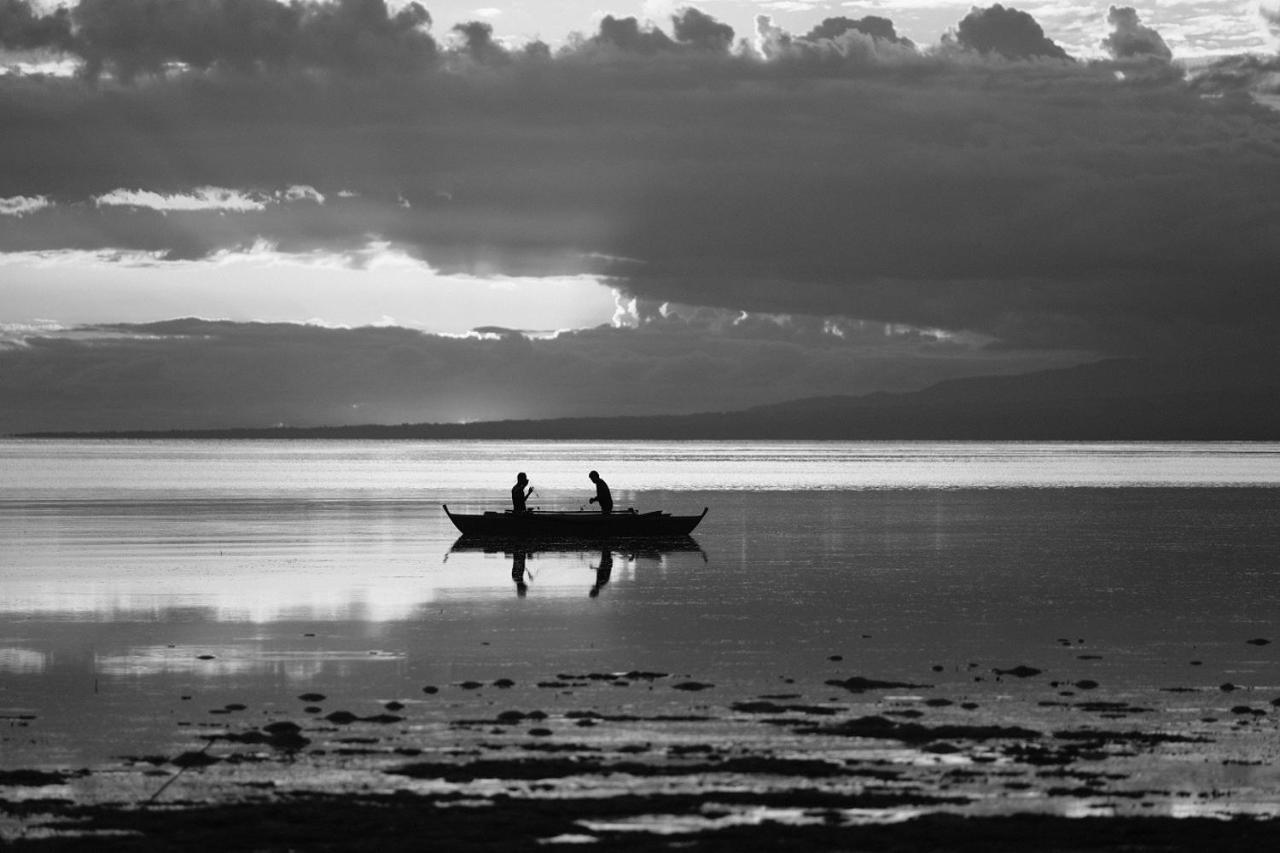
{"points": [[638, 760]]}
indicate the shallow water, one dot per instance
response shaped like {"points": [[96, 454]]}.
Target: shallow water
{"points": [[148, 585]]}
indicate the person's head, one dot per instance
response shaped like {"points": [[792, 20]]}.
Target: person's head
{"points": [[593, 476], [521, 478]]}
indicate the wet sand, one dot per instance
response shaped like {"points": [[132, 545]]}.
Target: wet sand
{"points": [[1018, 757]]}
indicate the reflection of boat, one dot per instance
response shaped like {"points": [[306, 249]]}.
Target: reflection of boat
{"points": [[522, 550], [538, 524], [647, 547]]}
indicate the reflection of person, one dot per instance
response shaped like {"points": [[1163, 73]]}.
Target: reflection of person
{"points": [[603, 571], [517, 573], [519, 494], [603, 496]]}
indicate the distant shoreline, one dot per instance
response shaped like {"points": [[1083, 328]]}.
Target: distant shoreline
{"points": [[685, 428], [1112, 400]]}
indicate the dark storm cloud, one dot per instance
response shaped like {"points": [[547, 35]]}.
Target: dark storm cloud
{"points": [[628, 35], [1247, 73], [131, 37], [837, 46], [871, 25], [478, 43], [1250, 73], [692, 29], [1129, 39], [840, 45], [697, 29], [194, 373], [22, 27], [1007, 32], [1043, 203]]}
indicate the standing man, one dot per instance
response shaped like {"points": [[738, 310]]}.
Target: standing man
{"points": [[519, 494], [603, 497]]}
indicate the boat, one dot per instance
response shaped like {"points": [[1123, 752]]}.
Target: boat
{"points": [[576, 524]]}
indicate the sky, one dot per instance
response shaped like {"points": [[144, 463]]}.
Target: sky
{"points": [[244, 213]]}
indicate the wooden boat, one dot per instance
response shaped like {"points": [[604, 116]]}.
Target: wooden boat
{"points": [[579, 524]]}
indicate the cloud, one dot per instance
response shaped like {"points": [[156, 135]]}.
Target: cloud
{"points": [[1008, 32], [201, 198], [1039, 203], [699, 30], [21, 205], [22, 27], [626, 34], [355, 287], [478, 43], [1270, 14], [770, 40], [1258, 75], [17, 334], [298, 192], [836, 43], [132, 37], [1130, 39], [196, 373], [871, 25]]}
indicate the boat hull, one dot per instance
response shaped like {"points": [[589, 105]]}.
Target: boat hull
{"points": [[574, 525]]}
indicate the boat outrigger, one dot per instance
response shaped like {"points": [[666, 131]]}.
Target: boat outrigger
{"points": [[575, 524]]}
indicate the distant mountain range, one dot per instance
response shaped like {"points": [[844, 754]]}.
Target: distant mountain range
{"points": [[1116, 399]]}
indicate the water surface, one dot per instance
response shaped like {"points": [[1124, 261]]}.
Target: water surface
{"points": [[149, 585]]}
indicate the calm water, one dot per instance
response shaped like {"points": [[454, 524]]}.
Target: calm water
{"points": [[144, 583]]}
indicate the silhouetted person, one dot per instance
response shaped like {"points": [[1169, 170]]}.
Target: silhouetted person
{"points": [[603, 571], [519, 494], [603, 496], [517, 573]]}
